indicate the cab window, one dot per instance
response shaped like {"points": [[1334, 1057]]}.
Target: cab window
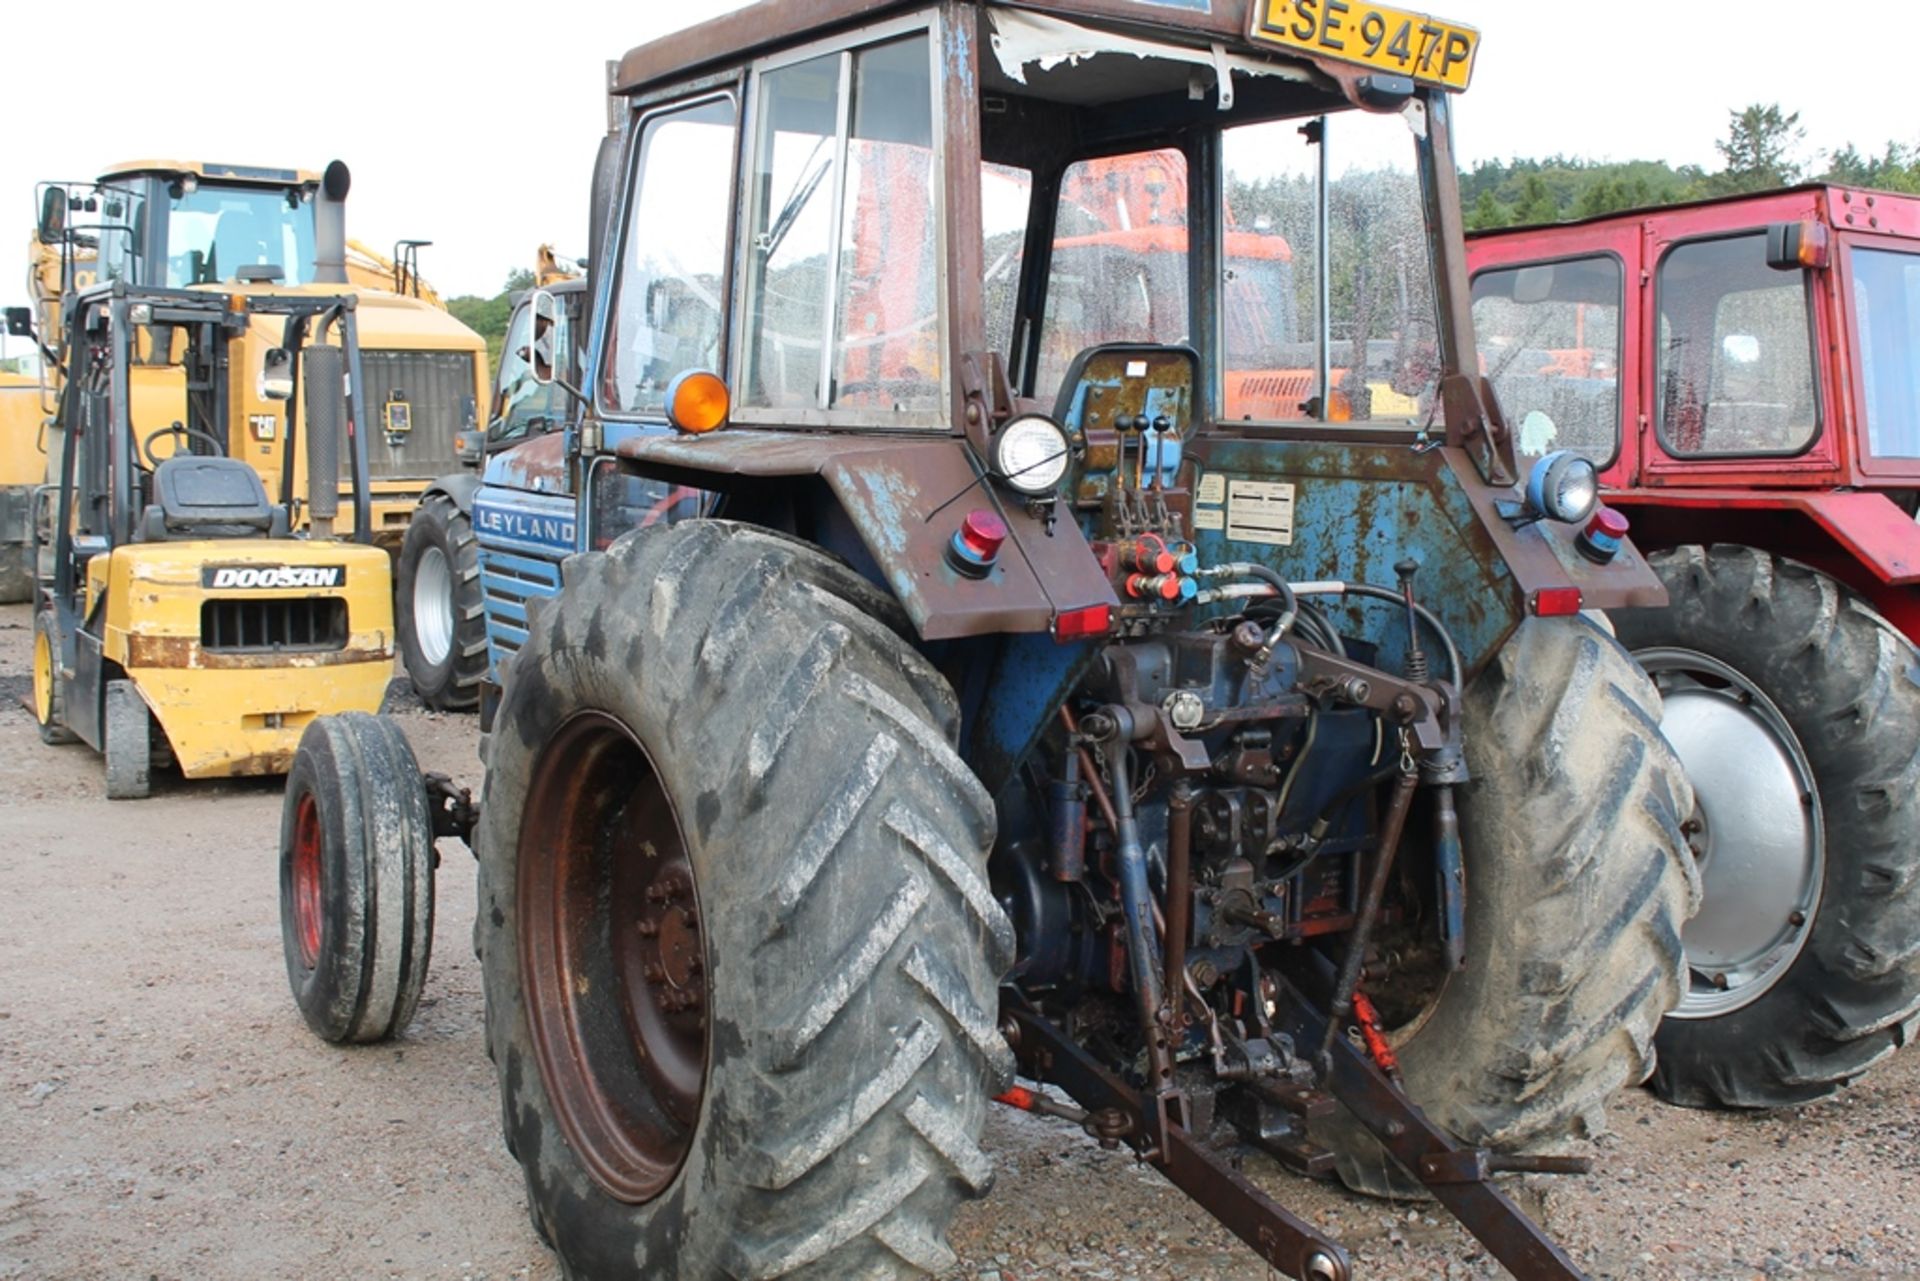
{"points": [[1734, 365], [1549, 340], [122, 229], [213, 232], [522, 407], [667, 314], [1886, 308], [843, 299], [621, 502], [1381, 326], [1119, 266]]}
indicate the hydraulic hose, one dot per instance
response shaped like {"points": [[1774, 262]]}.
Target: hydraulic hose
{"points": [[1289, 594]]}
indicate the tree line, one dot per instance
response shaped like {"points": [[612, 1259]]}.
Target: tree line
{"points": [[1757, 153]]}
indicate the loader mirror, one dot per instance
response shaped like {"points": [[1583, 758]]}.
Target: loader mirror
{"points": [[53, 216], [20, 322], [546, 326], [276, 374]]}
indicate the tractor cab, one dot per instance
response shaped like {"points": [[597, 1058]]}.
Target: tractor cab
{"points": [[1762, 376]]}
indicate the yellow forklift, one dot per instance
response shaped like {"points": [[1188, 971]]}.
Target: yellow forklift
{"points": [[182, 619]]}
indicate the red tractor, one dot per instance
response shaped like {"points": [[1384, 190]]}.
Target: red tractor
{"points": [[1746, 374]]}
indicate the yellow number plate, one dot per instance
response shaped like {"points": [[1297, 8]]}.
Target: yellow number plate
{"points": [[1372, 35]]}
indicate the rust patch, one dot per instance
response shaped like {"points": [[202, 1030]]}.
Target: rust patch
{"points": [[184, 653]]}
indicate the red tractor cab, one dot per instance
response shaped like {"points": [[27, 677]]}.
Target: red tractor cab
{"points": [[1746, 373]]}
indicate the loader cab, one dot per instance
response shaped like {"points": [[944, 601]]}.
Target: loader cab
{"points": [[179, 226]]}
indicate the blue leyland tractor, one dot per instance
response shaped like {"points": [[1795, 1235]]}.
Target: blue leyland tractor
{"points": [[1035, 587]]}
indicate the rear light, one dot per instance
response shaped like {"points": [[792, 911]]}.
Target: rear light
{"points": [[1082, 623], [1600, 541], [1556, 602], [976, 544]]}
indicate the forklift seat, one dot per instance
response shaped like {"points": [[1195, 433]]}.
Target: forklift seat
{"points": [[197, 496]]}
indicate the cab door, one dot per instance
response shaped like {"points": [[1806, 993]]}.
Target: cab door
{"points": [[1552, 310], [1738, 388]]}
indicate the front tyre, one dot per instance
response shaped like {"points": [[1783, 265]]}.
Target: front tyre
{"points": [[1796, 709], [356, 878], [1577, 882], [49, 686], [739, 953], [438, 609]]}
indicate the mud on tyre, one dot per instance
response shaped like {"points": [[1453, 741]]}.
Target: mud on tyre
{"points": [[1577, 884], [1798, 709], [739, 952]]}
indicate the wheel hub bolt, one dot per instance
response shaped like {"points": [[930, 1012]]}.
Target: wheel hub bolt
{"points": [[1796, 918], [649, 928], [655, 974]]}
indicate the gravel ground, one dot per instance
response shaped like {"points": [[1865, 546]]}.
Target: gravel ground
{"points": [[165, 1114]]}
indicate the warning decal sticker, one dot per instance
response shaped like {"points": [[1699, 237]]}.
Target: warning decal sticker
{"points": [[1260, 511]]}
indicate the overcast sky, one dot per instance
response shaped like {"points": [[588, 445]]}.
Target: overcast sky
{"points": [[476, 127]]}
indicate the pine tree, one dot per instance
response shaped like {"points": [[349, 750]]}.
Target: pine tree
{"points": [[1488, 212], [1756, 150], [1536, 202]]}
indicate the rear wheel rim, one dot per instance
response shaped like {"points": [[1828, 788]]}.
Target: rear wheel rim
{"points": [[1756, 832], [612, 957], [307, 881], [433, 606], [43, 677]]}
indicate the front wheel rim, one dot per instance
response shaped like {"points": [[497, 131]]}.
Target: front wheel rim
{"points": [[613, 957], [1757, 832], [42, 678], [306, 878], [433, 606]]}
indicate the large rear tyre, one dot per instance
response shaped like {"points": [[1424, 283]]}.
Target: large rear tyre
{"points": [[1796, 709], [49, 686], [437, 607], [1577, 883], [356, 878], [739, 951]]}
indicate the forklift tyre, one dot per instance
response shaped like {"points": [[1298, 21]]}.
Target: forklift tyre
{"points": [[437, 607], [1809, 845], [49, 690], [1578, 881], [739, 949], [356, 878], [128, 730]]}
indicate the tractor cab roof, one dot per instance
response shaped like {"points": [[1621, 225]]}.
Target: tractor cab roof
{"points": [[210, 171], [1889, 213], [1266, 31]]}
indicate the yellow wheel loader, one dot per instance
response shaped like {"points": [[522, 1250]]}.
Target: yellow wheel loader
{"points": [[21, 469], [183, 618]]}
